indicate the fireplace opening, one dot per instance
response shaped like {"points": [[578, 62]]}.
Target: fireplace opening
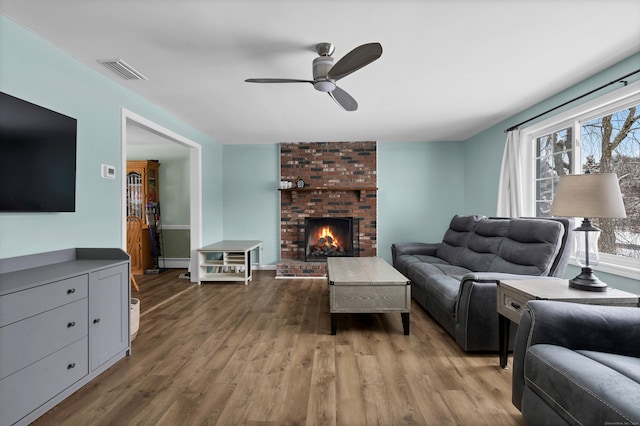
{"points": [[328, 237]]}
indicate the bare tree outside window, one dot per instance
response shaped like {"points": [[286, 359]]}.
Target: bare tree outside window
{"points": [[554, 158], [611, 144]]}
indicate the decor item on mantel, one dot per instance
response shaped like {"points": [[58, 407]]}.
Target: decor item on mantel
{"points": [[588, 195]]}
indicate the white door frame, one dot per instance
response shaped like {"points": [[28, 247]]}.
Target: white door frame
{"points": [[195, 181]]}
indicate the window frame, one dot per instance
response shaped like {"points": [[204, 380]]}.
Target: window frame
{"points": [[618, 99]]}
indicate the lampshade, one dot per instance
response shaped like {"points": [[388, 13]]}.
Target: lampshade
{"points": [[588, 195]]}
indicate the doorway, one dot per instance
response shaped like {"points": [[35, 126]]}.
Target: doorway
{"points": [[130, 119]]}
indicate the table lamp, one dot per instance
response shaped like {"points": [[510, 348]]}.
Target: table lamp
{"points": [[588, 196]]}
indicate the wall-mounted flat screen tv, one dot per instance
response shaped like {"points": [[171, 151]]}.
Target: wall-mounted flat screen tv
{"points": [[37, 158]]}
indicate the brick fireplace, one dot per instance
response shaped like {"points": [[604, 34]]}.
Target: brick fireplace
{"points": [[340, 182]]}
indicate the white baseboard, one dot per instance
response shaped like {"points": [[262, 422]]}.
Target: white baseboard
{"points": [[173, 263], [265, 268]]}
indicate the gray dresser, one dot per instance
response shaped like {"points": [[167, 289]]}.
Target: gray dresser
{"points": [[64, 319]]}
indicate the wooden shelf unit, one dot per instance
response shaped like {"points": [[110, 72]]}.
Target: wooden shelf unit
{"points": [[233, 264]]}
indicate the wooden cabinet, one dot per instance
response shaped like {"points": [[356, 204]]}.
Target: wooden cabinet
{"points": [[143, 197], [64, 319], [142, 187]]}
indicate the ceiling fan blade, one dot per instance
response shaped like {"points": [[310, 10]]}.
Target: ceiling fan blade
{"points": [[276, 80], [344, 99], [354, 60]]}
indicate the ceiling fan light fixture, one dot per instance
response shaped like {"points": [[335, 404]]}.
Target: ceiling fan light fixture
{"points": [[326, 71], [324, 85], [321, 66]]}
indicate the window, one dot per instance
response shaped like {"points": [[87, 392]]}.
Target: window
{"points": [[554, 157], [612, 144], [601, 136]]}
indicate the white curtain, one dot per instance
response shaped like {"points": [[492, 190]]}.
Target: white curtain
{"points": [[510, 189]]}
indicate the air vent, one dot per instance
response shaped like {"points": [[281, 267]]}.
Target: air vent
{"points": [[123, 69]]}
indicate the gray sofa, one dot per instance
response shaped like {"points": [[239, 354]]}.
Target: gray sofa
{"points": [[456, 280], [577, 364]]}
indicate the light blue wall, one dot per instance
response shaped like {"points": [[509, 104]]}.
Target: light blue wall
{"points": [[421, 186], [34, 70], [212, 194], [251, 198], [483, 152], [420, 189]]}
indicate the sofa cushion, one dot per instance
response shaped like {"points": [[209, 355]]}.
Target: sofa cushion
{"points": [[440, 282], [529, 247], [581, 388], [456, 238], [484, 243], [626, 365], [403, 262]]}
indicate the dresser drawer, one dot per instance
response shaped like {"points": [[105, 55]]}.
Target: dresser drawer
{"points": [[511, 304], [25, 342], [26, 390], [23, 304]]}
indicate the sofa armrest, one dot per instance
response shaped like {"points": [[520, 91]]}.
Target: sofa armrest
{"points": [[428, 249], [476, 327], [494, 277], [610, 329]]}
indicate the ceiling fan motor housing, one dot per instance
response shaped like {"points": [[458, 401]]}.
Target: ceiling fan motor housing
{"points": [[321, 67]]}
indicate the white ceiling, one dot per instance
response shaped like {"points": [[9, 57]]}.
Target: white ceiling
{"points": [[450, 68]]}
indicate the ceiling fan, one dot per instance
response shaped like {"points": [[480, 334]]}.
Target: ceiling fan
{"points": [[326, 73]]}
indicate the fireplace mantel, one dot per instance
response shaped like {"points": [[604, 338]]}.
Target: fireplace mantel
{"points": [[360, 190]]}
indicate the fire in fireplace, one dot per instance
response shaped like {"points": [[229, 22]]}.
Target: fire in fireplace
{"points": [[328, 237]]}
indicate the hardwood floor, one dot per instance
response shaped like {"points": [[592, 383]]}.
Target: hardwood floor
{"points": [[229, 354]]}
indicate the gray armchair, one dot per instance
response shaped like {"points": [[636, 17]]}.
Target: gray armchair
{"points": [[577, 364]]}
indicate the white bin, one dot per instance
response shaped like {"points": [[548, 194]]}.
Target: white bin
{"points": [[135, 317]]}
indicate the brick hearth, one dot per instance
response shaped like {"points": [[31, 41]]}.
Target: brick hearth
{"points": [[341, 180]]}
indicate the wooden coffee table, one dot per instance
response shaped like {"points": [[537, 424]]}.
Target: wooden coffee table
{"points": [[367, 285]]}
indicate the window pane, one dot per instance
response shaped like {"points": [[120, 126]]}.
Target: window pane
{"points": [[554, 158], [611, 144]]}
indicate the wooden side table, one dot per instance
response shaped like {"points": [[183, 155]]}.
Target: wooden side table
{"points": [[514, 294]]}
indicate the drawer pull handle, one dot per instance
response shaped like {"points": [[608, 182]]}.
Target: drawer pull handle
{"points": [[71, 324], [71, 291], [97, 320], [515, 305], [70, 366]]}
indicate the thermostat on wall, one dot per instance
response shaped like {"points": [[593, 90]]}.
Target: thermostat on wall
{"points": [[108, 172]]}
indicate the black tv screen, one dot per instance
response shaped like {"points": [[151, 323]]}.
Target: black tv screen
{"points": [[37, 158]]}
